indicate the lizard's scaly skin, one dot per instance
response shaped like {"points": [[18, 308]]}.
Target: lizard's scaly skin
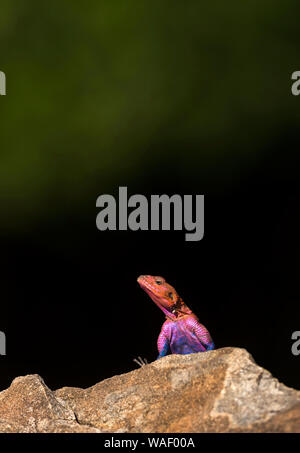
{"points": [[181, 333]]}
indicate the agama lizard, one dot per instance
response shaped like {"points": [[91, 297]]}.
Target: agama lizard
{"points": [[181, 333]]}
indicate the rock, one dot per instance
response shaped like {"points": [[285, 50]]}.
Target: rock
{"points": [[217, 391], [29, 406]]}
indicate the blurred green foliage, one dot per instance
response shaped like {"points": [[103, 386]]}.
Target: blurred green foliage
{"points": [[97, 91]]}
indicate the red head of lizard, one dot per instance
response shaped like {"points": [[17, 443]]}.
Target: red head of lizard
{"points": [[164, 296]]}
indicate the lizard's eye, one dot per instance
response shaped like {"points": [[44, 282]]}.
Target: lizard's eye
{"points": [[159, 282], [171, 296]]}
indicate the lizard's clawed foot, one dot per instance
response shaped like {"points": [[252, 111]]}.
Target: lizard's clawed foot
{"points": [[141, 362]]}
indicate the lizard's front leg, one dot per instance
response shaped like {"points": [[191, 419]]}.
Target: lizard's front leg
{"points": [[202, 334], [163, 344]]}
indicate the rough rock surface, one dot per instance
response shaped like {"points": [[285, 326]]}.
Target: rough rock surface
{"points": [[29, 406], [217, 391]]}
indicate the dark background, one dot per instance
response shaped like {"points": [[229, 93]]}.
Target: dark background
{"points": [[161, 98]]}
